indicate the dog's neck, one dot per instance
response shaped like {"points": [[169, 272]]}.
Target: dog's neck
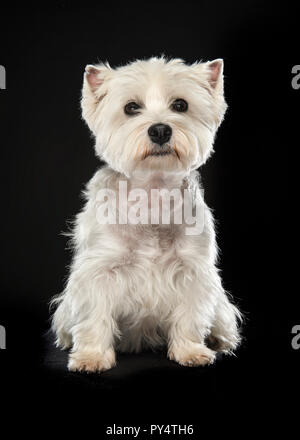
{"points": [[157, 179]]}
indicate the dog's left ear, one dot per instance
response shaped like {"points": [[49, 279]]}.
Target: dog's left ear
{"points": [[211, 72], [210, 76], [214, 70]]}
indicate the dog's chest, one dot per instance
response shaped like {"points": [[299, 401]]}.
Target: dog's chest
{"points": [[151, 201], [150, 231]]}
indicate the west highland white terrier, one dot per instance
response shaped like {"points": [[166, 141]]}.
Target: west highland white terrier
{"points": [[137, 284]]}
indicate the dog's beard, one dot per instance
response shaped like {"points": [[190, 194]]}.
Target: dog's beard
{"points": [[157, 150], [179, 153], [139, 152]]}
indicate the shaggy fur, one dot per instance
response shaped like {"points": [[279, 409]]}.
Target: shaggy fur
{"points": [[134, 286]]}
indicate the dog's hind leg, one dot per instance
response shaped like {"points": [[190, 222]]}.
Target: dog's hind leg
{"points": [[224, 334], [60, 324]]}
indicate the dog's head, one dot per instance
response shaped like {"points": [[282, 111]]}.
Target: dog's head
{"points": [[154, 114]]}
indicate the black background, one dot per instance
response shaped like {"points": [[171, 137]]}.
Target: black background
{"points": [[47, 157]]}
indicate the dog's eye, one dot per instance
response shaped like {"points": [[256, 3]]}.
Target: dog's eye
{"points": [[131, 108], [179, 105]]}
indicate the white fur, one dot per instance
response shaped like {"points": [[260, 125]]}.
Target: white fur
{"points": [[133, 286]]}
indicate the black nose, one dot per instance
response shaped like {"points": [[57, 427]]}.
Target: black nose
{"points": [[160, 133]]}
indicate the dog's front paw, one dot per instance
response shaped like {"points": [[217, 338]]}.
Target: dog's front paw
{"points": [[92, 362], [195, 355]]}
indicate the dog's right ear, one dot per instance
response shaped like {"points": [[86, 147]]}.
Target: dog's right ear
{"points": [[94, 76], [94, 89]]}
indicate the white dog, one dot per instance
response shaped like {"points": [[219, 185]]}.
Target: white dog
{"points": [[145, 285]]}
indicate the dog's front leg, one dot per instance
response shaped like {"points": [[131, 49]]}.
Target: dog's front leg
{"points": [[88, 317], [93, 344], [191, 320]]}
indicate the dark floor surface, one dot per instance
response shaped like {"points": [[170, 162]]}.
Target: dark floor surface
{"points": [[143, 389]]}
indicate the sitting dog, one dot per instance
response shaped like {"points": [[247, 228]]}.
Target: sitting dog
{"points": [[135, 285]]}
